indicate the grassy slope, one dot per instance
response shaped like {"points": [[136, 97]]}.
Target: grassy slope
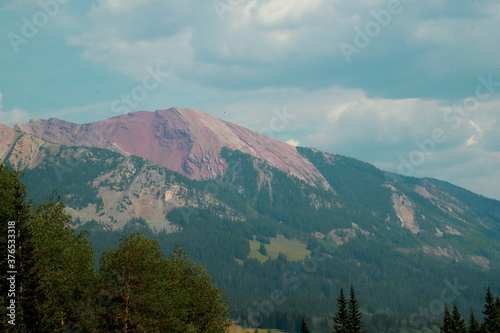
{"points": [[293, 249]]}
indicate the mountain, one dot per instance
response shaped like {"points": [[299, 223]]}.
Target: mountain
{"points": [[326, 221], [183, 140]]}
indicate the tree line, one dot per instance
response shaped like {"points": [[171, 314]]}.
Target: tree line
{"points": [[53, 286], [453, 322], [348, 318]]}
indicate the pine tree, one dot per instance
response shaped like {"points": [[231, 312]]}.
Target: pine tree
{"points": [[473, 323], [355, 324], [341, 318], [303, 328], [15, 217], [133, 290], [458, 323], [262, 249], [491, 312], [447, 322], [62, 272], [148, 293], [195, 294], [55, 266], [484, 329]]}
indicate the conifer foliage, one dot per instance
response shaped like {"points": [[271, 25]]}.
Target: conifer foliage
{"points": [[458, 324], [145, 292], [447, 321], [491, 312], [51, 289], [56, 288], [348, 318], [341, 318], [454, 323], [303, 328], [473, 324]]}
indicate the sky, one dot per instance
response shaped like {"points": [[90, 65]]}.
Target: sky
{"points": [[410, 86]]}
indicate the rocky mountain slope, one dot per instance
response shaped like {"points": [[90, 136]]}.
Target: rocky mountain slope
{"points": [[187, 142], [183, 140], [222, 190]]}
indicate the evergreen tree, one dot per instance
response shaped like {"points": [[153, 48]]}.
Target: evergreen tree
{"points": [[341, 318], [133, 291], [54, 265], [458, 323], [303, 328], [447, 321], [491, 312], [147, 293], [15, 216], [195, 295], [473, 323], [61, 275], [484, 329], [262, 249], [355, 324]]}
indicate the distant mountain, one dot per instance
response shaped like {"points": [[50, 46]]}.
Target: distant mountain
{"points": [[183, 140], [223, 191]]}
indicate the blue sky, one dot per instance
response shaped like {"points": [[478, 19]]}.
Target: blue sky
{"points": [[410, 86]]}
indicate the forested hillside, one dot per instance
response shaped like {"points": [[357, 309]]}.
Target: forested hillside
{"points": [[273, 242], [53, 286]]}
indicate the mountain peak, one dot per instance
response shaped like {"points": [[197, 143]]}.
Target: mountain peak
{"points": [[184, 140]]}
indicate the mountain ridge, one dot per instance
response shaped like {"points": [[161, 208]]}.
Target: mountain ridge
{"points": [[383, 231], [187, 141]]}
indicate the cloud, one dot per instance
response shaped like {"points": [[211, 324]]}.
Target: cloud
{"points": [[293, 142], [296, 44], [257, 57], [119, 6], [393, 133], [10, 118]]}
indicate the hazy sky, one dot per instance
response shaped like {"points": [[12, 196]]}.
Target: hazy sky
{"points": [[410, 86]]}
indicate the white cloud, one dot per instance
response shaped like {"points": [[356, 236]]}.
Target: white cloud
{"points": [[293, 142], [10, 118], [285, 12], [263, 56], [384, 132], [117, 6], [293, 43]]}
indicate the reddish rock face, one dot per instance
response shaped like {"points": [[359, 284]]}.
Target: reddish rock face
{"points": [[184, 140], [7, 135]]}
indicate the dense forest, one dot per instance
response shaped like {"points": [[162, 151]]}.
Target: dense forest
{"points": [[52, 285], [248, 232]]}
